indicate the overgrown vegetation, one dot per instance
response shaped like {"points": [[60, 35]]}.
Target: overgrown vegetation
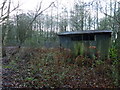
{"points": [[41, 67], [27, 39], [115, 64]]}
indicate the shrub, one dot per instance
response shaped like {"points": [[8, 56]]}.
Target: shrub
{"points": [[115, 73]]}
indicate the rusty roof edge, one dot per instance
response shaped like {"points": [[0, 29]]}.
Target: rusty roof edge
{"points": [[84, 32]]}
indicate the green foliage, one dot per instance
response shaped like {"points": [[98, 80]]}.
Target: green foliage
{"points": [[24, 29], [31, 42], [79, 48], [7, 67], [30, 79], [34, 42], [115, 75], [113, 53], [99, 62], [115, 65], [105, 23], [12, 65], [48, 59], [10, 40]]}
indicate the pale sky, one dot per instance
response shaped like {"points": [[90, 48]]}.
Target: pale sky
{"points": [[27, 5], [32, 4]]}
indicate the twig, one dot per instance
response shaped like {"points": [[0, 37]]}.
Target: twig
{"points": [[37, 14]]}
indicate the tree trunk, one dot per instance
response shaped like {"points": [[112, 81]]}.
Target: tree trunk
{"points": [[3, 52]]}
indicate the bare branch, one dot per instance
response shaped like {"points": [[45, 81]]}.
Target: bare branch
{"points": [[39, 7], [115, 18], [6, 15], [2, 7], [3, 4], [118, 2], [15, 8], [39, 13]]}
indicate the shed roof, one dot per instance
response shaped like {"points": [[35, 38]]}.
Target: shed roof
{"points": [[85, 32]]}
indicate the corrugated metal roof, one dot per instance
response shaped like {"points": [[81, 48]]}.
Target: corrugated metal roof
{"points": [[85, 32]]}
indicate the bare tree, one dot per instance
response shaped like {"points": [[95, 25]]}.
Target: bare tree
{"points": [[39, 11], [4, 19], [6, 9]]}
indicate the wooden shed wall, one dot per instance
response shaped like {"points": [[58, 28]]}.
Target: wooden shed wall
{"points": [[65, 42], [96, 48], [103, 44]]}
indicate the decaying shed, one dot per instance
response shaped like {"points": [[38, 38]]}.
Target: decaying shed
{"points": [[92, 43]]}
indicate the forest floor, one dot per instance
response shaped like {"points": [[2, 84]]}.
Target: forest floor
{"points": [[51, 68]]}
